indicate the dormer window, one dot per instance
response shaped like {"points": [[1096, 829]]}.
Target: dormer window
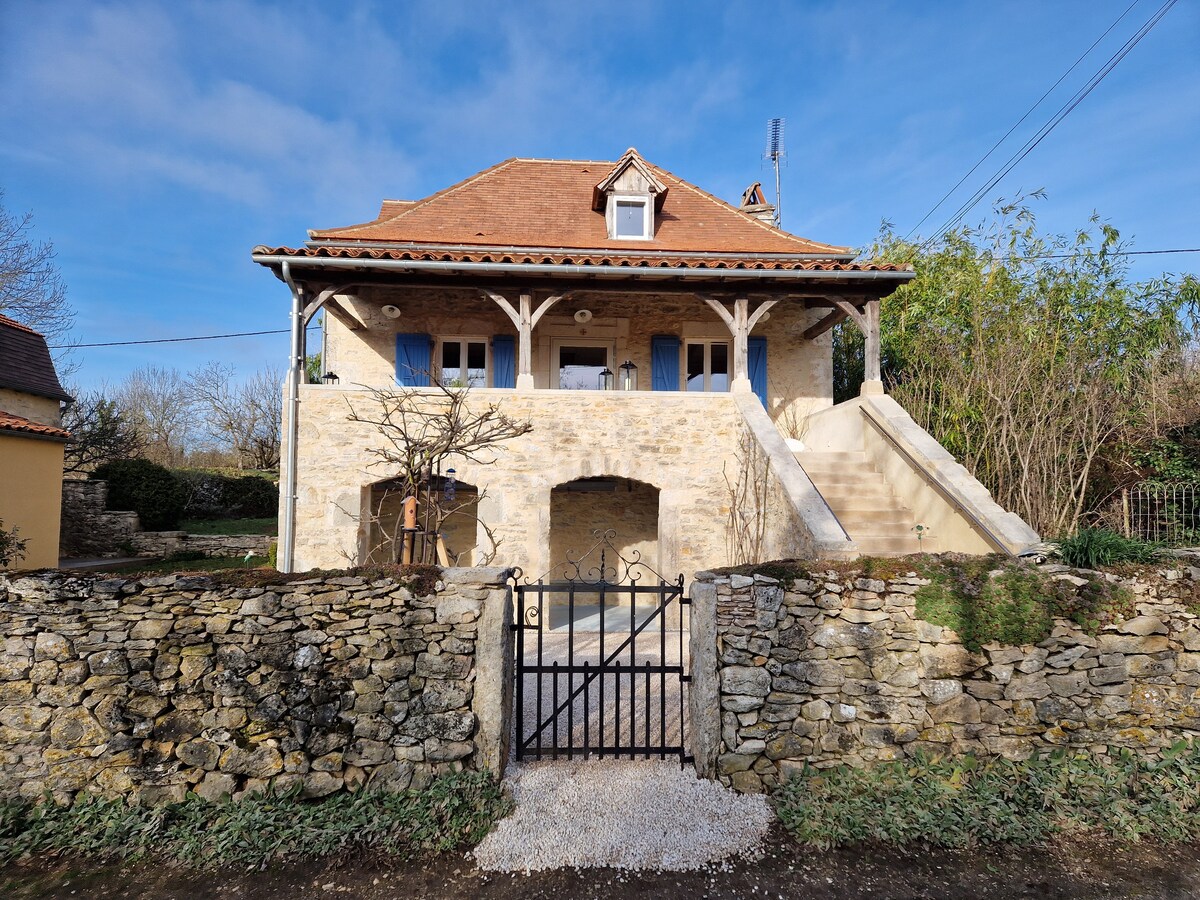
{"points": [[632, 218], [630, 196]]}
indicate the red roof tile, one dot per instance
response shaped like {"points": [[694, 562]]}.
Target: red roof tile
{"points": [[27, 364], [9, 422], [710, 262], [13, 323], [548, 203]]}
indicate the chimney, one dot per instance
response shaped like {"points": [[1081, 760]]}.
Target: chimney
{"points": [[755, 203]]}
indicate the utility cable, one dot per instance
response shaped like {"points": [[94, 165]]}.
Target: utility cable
{"points": [[1028, 113], [1055, 120]]}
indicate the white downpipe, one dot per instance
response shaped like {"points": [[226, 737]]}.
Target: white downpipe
{"points": [[287, 537]]}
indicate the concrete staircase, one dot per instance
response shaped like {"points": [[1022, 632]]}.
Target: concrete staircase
{"points": [[863, 502]]}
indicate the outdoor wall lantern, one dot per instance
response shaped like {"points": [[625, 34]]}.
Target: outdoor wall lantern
{"points": [[628, 376], [451, 484], [606, 379], [330, 378]]}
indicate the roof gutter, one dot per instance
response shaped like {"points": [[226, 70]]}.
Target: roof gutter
{"points": [[425, 265], [317, 243]]}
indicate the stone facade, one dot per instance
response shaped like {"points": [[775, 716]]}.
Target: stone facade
{"points": [[682, 444], [89, 529], [838, 669], [158, 687]]}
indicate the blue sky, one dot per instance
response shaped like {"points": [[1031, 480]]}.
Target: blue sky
{"points": [[156, 143]]}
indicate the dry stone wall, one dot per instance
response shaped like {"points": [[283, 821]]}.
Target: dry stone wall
{"points": [[838, 669], [158, 687], [164, 543], [88, 529]]}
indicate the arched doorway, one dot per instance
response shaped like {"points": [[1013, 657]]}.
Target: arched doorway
{"points": [[453, 526]]}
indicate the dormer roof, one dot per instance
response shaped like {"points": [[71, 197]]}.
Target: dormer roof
{"points": [[629, 160], [27, 367]]}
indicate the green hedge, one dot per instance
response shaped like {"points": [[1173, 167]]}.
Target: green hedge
{"points": [[451, 813], [150, 490], [216, 495], [963, 801]]}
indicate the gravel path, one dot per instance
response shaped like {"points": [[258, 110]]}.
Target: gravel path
{"points": [[622, 814]]}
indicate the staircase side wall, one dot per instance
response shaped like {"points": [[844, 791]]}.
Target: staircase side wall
{"points": [[956, 511]]}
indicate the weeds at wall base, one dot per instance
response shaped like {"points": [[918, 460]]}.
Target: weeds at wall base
{"points": [[964, 802], [451, 813]]}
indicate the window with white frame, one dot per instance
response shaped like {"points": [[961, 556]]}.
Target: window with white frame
{"points": [[631, 217], [464, 362], [706, 366]]}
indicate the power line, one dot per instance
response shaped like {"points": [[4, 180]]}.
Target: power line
{"points": [[1108, 253], [178, 340], [1028, 113], [1055, 120]]}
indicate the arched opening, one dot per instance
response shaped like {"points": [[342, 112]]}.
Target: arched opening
{"points": [[449, 526], [582, 512]]}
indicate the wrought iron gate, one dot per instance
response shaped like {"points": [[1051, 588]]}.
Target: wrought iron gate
{"points": [[601, 663]]}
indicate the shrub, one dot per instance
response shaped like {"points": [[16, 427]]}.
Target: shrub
{"points": [[216, 495], [960, 802], [1091, 548], [453, 812], [273, 555], [12, 548], [150, 490]]}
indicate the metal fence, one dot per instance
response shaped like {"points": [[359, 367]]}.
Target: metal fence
{"points": [[1163, 513]]}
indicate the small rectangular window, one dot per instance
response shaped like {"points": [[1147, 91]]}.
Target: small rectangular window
{"points": [[631, 218], [463, 362]]}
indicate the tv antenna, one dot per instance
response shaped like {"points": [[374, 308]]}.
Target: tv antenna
{"points": [[775, 152]]}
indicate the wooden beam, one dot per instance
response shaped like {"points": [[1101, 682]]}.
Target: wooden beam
{"points": [[812, 332]]}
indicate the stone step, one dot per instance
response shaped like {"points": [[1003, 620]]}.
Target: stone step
{"points": [[875, 491], [887, 545], [882, 520], [831, 460]]}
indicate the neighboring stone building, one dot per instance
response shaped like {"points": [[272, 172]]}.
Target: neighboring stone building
{"points": [[31, 443], [664, 345]]}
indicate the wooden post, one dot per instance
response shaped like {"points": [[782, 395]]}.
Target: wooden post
{"points": [[410, 531], [525, 344], [870, 326]]}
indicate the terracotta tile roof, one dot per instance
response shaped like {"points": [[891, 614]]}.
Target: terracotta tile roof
{"points": [[9, 422], [524, 203], [27, 366], [711, 262]]}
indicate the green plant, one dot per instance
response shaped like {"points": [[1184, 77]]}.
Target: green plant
{"points": [[1091, 548], [12, 548], [273, 555], [963, 801], [451, 813], [218, 494], [150, 490]]}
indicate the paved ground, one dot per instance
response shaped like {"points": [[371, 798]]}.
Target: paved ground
{"points": [[641, 708]]}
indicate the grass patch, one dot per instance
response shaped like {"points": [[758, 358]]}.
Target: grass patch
{"points": [[994, 598], [185, 563], [963, 802], [268, 525], [1094, 548], [452, 813]]}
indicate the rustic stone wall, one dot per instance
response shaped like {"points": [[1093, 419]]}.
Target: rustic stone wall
{"points": [[838, 669], [164, 543], [88, 529], [157, 687]]}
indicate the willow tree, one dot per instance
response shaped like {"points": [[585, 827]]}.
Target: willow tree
{"points": [[1035, 359]]}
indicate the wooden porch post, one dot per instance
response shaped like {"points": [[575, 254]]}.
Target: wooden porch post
{"points": [[524, 317], [740, 324], [867, 320]]}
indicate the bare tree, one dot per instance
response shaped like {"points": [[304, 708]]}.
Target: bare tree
{"points": [[749, 503], [101, 431], [245, 418], [424, 432], [31, 289], [158, 404]]}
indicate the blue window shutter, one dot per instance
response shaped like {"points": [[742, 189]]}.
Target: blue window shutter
{"points": [[504, 361], [664, 362], [756, 352], [413, 361]]}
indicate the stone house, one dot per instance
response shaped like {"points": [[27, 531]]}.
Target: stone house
{"points": [[671, 351], [32, 441]]}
